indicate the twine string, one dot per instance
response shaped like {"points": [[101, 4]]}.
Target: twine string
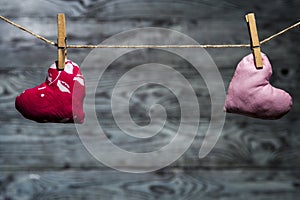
{"points": [[152, 46], [28, 31]]}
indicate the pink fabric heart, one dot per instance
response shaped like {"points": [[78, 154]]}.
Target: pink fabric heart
{"points": [[250, 92], [54, 100]]}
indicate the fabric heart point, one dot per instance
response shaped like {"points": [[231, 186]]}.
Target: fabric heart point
{"points": [[55, 100], [250, 92]]}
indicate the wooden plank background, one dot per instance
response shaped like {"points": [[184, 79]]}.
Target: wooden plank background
{"points": [[253, 159]]}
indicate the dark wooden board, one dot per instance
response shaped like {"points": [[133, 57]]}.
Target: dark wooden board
{"points": [[170, 184], [245, 142], [253, 158]]}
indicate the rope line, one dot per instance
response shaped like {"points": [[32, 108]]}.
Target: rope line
{"points": [[28, 31], [280, 33], [152, 46], [162, 46]]}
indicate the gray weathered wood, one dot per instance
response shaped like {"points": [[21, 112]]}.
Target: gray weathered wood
{"points": [[171, 184], [245, 142], [253, 159]]}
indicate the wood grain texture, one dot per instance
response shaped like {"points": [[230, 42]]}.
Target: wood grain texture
{"points": [[178, 184], [94, 30], [117, 9], [245, 142], [253, 159]]}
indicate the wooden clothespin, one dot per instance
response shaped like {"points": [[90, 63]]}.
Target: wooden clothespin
{"points": [[61, 41], [255, 44]]}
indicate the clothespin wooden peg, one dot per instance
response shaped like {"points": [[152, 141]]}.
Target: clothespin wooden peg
{"points": [[61, 41], [255, 44]]}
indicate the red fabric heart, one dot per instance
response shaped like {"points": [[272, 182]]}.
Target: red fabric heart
{"points": [[250, 92], [54, 100]]}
